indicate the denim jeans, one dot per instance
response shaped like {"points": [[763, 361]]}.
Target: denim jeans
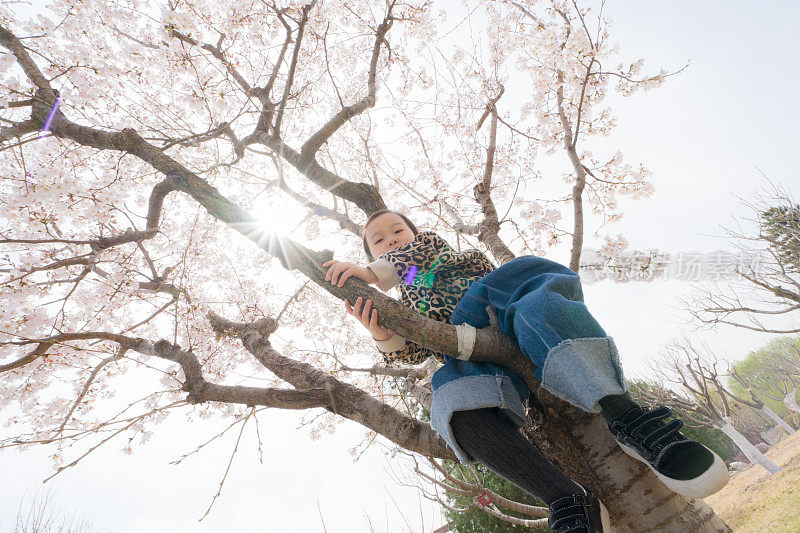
{"points": [[539, 304]]}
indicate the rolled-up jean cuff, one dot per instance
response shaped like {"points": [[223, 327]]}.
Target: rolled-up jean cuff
{"points": [[581, 371], [475, 392]]}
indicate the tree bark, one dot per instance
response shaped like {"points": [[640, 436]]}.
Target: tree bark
{"points": [[752, 453], [790, 402], [637, 501], [778, 420], [345, 399]]}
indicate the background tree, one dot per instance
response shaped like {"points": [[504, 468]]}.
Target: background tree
{"points": [[109, 273], [781, 229], [761, 405], [40, 513], [695, 426], [766, 295], [697, 374], [754, 425], [772, 371]]}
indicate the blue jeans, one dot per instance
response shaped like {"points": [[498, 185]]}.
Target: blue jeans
{"points": [[539, 304]]}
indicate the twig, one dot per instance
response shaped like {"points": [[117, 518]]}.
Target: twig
{"points": [[230, 462]]}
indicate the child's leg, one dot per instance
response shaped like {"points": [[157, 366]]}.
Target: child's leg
{"points": [[477, 408], [539, 303], [493, 441], [615, 406]]}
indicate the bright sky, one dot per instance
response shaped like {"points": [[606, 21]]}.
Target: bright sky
{"points": [[703, 134]]}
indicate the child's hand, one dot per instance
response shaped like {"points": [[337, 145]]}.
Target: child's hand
{"points": [[369, 320], [340, 271]]}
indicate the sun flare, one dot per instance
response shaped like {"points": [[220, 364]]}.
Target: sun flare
{"points": [[280, 215]]}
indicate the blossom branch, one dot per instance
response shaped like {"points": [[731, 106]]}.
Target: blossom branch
{"points": [[276, 128], [491, 344], [580, 181], [195, 384], [489, 227], [346, 400], [13, 44], [85, 389], [312, 145], [216, 51], [318, 209]]}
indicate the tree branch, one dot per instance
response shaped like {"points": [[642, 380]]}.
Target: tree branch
{"points": [[580, 183], [312, 145], [364, 195], [348, 401], [218, 54], [276, 129], [13, 44], [489, 227]]}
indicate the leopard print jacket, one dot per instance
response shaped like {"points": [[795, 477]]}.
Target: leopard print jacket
{"points": [[433, 279]]}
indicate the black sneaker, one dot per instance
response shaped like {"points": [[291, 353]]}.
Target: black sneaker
{"points": [[685, 466], [579, 513]]}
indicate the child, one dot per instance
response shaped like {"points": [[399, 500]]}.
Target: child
{"points": [[477, 406]]}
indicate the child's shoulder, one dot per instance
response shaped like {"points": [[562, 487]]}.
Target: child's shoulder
{"points": [[425, 239], [428, 236], [432, 242]]}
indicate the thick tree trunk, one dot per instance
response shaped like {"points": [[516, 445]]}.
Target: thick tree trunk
{"points": [[778, 420], [752, 453], [581, 444]]}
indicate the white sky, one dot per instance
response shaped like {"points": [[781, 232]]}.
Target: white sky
{"points": [[702, 134]]}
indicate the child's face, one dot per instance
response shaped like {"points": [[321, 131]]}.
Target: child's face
{"points": [[387, 232]]}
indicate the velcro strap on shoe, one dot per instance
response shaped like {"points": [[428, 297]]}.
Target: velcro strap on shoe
{"points": [[663, 433], [648, 416], [572, 512]]}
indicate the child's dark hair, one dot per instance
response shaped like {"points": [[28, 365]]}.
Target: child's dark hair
{"points": [[375, 215]]}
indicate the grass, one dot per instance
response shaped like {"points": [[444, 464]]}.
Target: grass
{"points": [[754, 501], [779, 513]]}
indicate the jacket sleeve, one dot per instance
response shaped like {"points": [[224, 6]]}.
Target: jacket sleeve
{"points": [[398, 349], [386, 274]]}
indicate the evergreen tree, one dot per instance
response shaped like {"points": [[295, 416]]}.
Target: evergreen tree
{"points": [[476, 520], [780, 226]]}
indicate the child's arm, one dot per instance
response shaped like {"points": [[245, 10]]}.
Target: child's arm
{"points": [[400, 350], [369, 319], [392, 346], [381, 273], [339, 271]]}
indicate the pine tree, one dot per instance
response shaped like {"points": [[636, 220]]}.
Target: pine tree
{"points": [[781, 229]]}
